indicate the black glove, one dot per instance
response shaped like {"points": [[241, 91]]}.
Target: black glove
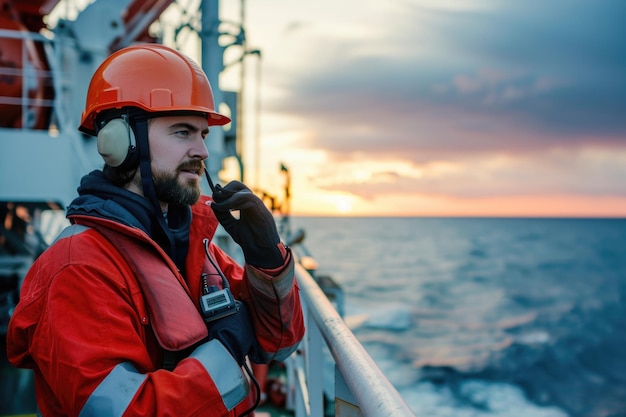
{"points": [[255, 231], [236, 334]]}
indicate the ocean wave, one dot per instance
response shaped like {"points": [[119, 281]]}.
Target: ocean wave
{"points": [[466, 316]]}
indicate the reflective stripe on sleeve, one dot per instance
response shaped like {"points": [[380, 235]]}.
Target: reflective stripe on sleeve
{"points": [[115, 392], [227, 375], [71, 230]]}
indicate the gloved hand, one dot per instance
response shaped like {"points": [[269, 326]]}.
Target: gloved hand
{"points": [[235, 333], [255, 230]]}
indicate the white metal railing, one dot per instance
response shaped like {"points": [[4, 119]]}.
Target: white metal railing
{"points": [[361, 388]]}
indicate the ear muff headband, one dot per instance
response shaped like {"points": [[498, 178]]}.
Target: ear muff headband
{"points": [[116, 142]]}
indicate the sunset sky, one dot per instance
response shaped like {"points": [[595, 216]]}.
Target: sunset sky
{"points": [[436, 107], [427, 107]]}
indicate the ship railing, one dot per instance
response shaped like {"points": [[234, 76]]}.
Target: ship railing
{"points": [[360, 387], [33, 80]]}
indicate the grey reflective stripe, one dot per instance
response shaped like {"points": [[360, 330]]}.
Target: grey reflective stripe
{"points": [[281, 354], [115, 392], [70, 230], [227, 375]]}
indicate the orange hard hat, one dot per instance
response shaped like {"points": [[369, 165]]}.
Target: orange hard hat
{"points": [[152, 77]]}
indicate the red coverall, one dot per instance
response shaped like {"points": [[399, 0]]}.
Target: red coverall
{"points": [[86, 328]]}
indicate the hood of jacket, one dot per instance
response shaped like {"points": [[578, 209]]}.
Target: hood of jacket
{"points": [[98, 197]]}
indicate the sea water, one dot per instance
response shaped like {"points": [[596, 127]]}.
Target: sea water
{"points": [[486, 317]]}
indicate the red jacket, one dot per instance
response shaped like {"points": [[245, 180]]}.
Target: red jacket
{"points": [[85, 326]]}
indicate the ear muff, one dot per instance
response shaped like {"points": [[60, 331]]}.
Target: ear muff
{"points": [[116, 142]]}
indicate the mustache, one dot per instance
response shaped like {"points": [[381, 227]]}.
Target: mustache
{"points": [[193, 165]]}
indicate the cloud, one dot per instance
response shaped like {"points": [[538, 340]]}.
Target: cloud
{"points": [[473, 99], [591, 172], [509, 77]]}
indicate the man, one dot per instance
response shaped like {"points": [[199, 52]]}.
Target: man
{"points": [[118, 317]]}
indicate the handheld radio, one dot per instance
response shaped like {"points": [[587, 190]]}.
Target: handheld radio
{"points": [[216, 303]]}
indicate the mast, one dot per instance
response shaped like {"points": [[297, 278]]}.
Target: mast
{"points": [[212, 60]]}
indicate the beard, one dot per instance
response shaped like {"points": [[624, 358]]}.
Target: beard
{"points": [[169, 189]]}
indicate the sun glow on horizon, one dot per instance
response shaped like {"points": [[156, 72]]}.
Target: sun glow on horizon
{"points": [[315, 202], [344, 204]]}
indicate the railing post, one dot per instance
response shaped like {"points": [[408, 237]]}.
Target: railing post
{"points": [[314, 366], [345, 403]]}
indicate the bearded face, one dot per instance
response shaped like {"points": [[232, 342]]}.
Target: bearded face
{"points": [[177, 187], [177, 152]]}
